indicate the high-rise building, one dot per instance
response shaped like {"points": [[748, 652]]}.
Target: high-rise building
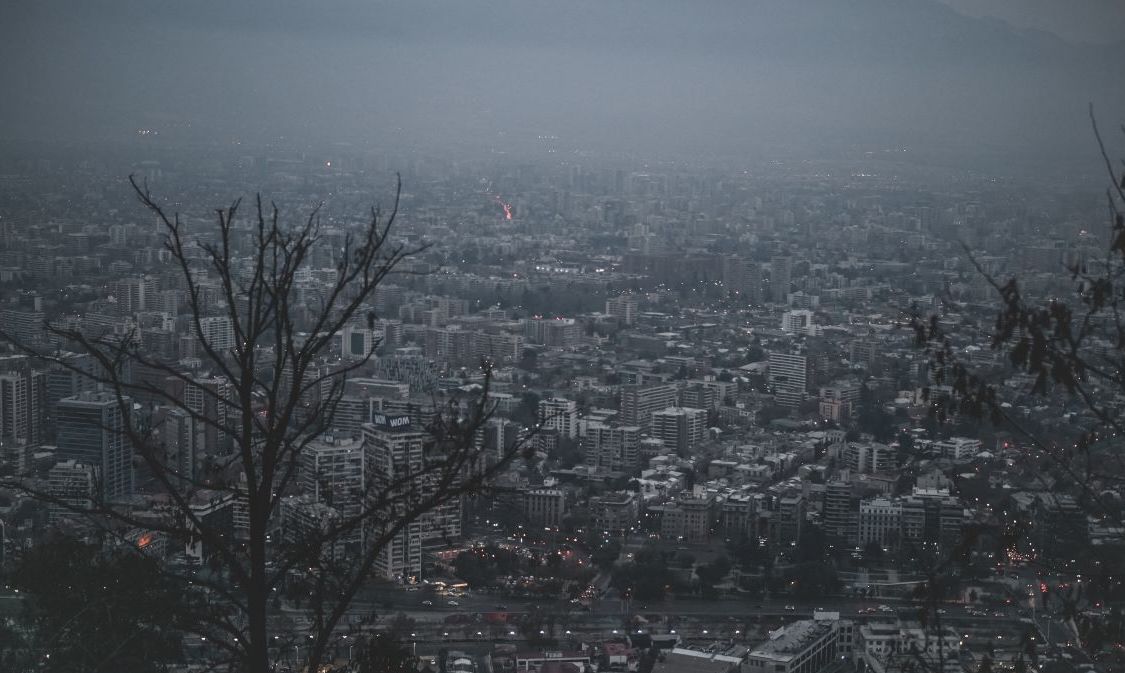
{"points": [[880, 521], [788, 377], [25, 325], [135, 294], [180, 436], [451, 345], [357, 342], [781, 269], [217, 332], [680, 428], [559, 414], [869, 457], [205, 396], [932, 516], [23, 402], [395, 451], [744, 277], [839, 514], [91, 431], [334, 473], [65, 381], [496, 348], [701, 395], [638, 402], [554, 332], [611, 449], [624, 308], [499, 436]]}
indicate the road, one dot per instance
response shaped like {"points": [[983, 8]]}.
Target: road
{"points": [[471, 603]]}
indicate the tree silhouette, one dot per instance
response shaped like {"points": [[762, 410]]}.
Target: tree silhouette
{"points": [[384, 653], [273, 391], [88, 610], [1067, 340], [1075, 347]]}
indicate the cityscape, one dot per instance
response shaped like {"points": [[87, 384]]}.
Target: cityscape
{"points": [[535, 402]]}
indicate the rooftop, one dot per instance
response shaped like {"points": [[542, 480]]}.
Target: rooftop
{"points": [[790, 641], [693, 661]]}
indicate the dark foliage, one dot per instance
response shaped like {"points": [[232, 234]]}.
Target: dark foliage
{"points": [[88, 611]]}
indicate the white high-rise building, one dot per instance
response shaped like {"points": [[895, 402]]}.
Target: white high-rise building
{"points": [[880, 521], [334, 473], [396, 450], [559, 414], [217, 332], [798, 322]]}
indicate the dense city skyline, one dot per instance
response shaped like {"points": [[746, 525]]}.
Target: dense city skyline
{"points": [[763, 337]]}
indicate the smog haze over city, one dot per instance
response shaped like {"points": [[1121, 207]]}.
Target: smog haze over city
{"points": [[763, 336], [644, 78]]}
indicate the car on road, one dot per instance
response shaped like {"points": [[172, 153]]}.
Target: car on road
{"points": [[501, 606], [885, 608], [790, 607], [427, 604], [453, 604]]}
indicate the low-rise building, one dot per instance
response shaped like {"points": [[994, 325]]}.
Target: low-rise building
{"points": [[537, 660], [805, 646]]}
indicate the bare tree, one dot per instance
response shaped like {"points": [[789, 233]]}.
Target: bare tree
{"points": [[272, 392]]}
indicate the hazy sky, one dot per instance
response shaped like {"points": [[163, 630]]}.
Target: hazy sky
{"points": [[1075, 20], [636, 75]]}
